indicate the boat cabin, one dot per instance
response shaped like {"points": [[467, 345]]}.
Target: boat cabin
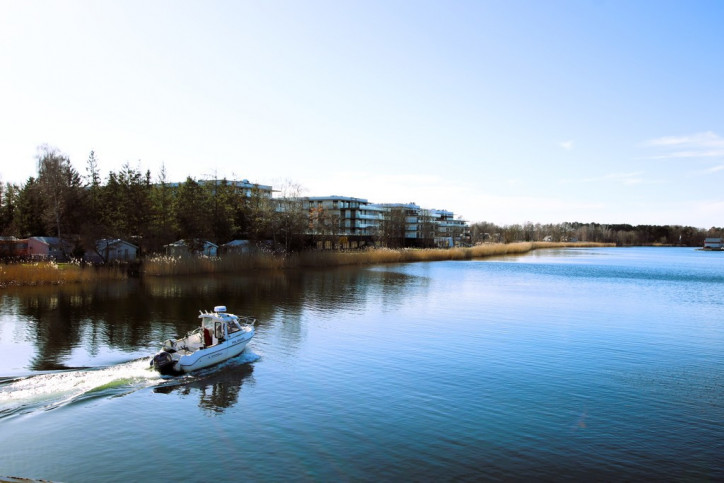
{"points": [[217, 326]]}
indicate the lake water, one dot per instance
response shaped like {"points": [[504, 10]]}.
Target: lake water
{"points": [[595, 364]]}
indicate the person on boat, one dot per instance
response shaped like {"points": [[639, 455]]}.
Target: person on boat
{"points": [[207, 337]]}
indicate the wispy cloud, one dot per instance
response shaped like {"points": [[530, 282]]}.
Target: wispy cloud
{"points": [[567, 145], [707, 171], [699, 145], [632, 178]]}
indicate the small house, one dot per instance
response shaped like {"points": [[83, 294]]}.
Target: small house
{"points": [[235, 246], [116, 250], [11, 247], [49, 248], [184, 248]]}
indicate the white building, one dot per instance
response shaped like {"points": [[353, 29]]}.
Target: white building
{"points": [[342, 216], [247, 188]]}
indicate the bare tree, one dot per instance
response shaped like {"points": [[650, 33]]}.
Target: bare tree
{"points": [[290, 218], [393, 227]]}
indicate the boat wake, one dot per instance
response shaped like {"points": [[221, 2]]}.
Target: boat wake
{"points": [[56, 389], [44, 392], [227, 369]]}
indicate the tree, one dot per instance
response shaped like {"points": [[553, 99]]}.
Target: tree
{"points": [[223, 197], [93, 185], [126, 203], [393, 227], [8, 208], [93, 229], [257, 213], [163, 224], [62, 191], [192, 213], [290, 219], [426, 229], [30, 209], [322, 226]]}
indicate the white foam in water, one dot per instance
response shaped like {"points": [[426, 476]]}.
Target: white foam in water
{"points": [[58, 388]]}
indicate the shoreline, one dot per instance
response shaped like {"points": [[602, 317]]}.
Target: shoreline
{"points": [[51, 273]]}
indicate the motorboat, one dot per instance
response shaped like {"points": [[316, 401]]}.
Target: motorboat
{"points": [[221, 336]]}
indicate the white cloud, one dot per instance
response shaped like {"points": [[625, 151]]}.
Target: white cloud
{"points": [[567, 145], [699, 145], [706, 171]]}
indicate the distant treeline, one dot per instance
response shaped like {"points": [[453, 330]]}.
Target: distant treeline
{"points": [[152, 212], [129, 204], [620, 234]]}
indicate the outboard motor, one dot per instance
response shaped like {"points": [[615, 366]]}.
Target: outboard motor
{"points": [[163, 363]]}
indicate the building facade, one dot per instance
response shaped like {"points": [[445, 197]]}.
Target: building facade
{"points": [[342, 221], [347, 222]]}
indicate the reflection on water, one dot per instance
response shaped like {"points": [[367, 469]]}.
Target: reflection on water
{"points": [[217, 387], [61, 327], [600, 364], [81, 335]]}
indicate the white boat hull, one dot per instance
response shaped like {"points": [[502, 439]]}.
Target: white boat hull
{"points": [[220, 337], [213, 355]]}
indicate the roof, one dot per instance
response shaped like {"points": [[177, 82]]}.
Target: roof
{"points": [[182, 243], [48, 240], [335, 198], [115, 241], [236, 243]]}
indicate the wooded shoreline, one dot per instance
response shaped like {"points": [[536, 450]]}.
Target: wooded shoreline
{"points": [[51, 273]]}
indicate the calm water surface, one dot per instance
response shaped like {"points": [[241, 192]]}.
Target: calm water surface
{"points": [[562, 364]]}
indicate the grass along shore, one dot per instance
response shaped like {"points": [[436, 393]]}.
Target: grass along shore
{"points": [[51, 273], [170, 266]]}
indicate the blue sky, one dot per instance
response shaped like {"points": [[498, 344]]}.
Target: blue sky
{"points": [[501, 111]]}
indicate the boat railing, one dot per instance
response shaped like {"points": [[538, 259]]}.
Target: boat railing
{"points": [[243, 319], [246, 319]]}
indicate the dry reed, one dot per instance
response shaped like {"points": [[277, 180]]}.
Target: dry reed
{"points": [[177, 266], [51, 273], [163, 266], [384, 255]]}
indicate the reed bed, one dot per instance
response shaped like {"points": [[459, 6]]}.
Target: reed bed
{"points": [[164, 266], [384, 255], [52, 273], [178, 266]]}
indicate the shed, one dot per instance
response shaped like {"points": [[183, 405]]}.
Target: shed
{"points": [[116, 249], [185, 248], [235, 246]]}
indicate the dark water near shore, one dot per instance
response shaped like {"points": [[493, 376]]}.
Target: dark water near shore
{"points": [[572, 364]]}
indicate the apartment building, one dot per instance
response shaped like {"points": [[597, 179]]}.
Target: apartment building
{"points": [[448, 230], [355, 222], [348, 222], [246, 187]]}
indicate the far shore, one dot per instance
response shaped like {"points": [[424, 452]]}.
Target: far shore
{"points": [[51, 273]]}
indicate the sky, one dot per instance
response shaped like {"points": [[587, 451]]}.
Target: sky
{"points": [[501, 111]]}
